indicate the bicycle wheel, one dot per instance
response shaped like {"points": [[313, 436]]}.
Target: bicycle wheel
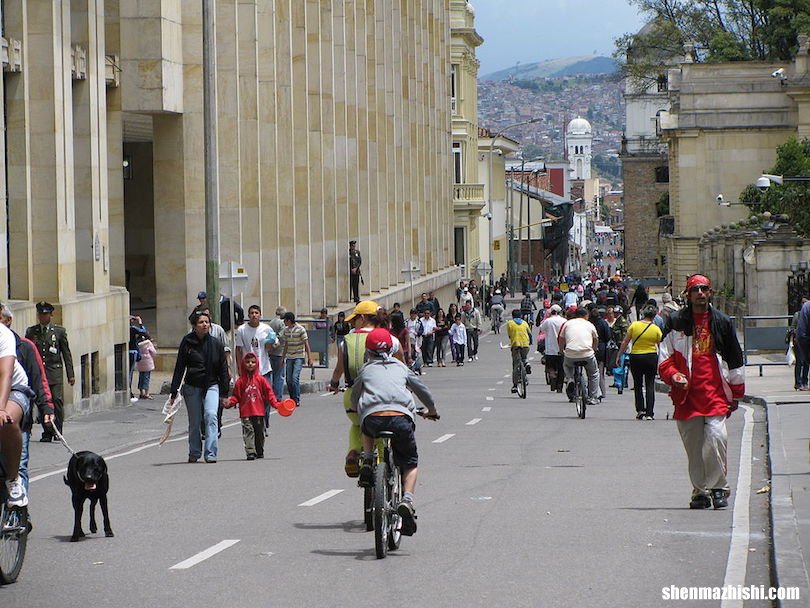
{"points": [[13, 539], [522, 382], [380, 510], [582, 396], [368, 508], [395, 534]]}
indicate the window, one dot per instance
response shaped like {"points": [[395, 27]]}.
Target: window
{"points": [[453, 87], [662, 175], [458, 168], [662, 83], [120, 363], [458, 246]]}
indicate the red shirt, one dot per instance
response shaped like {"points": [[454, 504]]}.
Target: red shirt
{"points": [[706, 396]]}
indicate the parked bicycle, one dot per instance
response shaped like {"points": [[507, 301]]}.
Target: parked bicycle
{"points": [[13, 535]]}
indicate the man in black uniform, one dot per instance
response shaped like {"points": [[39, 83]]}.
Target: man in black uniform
{"points": [[52, 343], [355, 261]]}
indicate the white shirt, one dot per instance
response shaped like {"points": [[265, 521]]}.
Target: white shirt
{"points": [[551, 327], [580, 335], [458, 333], [429, 326], [570, 299], [8, 348], [252, 340], [466, 297]]}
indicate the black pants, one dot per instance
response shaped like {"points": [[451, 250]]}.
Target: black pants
{"points": [[354, 280], [472, 342], [439, 348], [556, 374], [643, 368], [58, 409], [427, 349]]}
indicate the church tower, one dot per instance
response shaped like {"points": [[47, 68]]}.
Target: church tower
{"points": [[578, 141]]}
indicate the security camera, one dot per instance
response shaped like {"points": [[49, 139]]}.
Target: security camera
{"points": [[489, 216], [763, 183], [499, 152], [780, 73], [719, 198]]}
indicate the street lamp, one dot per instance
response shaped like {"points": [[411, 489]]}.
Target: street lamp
{"points": [[489, 188], [764, 181], [411, 269]]}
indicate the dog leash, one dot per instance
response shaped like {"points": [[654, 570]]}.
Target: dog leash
{"points": [[61, 439]]}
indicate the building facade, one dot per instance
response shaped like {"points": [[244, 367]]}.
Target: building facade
{"points": [[333, 124]]}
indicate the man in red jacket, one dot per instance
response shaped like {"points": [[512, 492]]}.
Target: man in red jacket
{"points": [[701, 360]]}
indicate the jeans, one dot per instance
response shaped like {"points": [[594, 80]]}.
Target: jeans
{"points": [[439, 348], [427, 349], [591, 372], [472, 342], [277, 363], [293, 373], [202, 404], [143, 381], [800, 372], [519, 354], [26, 438]]}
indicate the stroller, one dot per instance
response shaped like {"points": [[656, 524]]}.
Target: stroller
{"points": [[621, 373]]}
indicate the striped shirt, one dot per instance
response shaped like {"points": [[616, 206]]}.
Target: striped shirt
{"points": [[295, 338]]}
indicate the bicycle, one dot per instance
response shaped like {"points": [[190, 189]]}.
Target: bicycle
{"points": [[523, 380], [580, 388], [385, 496], [497, 318], [13, 535]]}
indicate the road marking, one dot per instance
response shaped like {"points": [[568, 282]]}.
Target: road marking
{"points": [[141, 448], [499, 382], [507, 375], [204, 555], [321, 498], [486, 409], [740, 522], [444, 438], [492, 389], [474, 421], [490, 398]]}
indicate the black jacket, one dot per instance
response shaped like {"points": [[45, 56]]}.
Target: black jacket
{"points": [[29, 359], [720, 325], [203, 362]]}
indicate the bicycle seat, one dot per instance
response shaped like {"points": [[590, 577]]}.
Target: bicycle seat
{"points": [[384, 435], [582, 363]]}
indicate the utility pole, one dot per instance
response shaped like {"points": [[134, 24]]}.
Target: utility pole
{"points": [[211, 158]]}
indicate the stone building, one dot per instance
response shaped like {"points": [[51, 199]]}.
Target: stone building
{"points": [[333, 121]]}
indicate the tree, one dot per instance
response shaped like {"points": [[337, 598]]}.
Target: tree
{"points": [[792, 198], [713, 31]]}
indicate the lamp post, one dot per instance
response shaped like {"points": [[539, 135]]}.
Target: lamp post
{"points": [[489, 188], [410, 270]]}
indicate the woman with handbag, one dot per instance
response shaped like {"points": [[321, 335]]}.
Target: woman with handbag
{"points": [[645, 336]]}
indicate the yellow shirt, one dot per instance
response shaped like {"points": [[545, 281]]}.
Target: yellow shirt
{"points": [[648, 342], [518, 333]]}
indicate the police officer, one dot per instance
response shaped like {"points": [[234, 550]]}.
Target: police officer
{"points": [[52, 342], [355, 274]]}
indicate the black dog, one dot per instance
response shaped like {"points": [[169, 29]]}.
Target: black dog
{"points": [[87, 479]]}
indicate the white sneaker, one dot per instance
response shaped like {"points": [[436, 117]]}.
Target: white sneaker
{"points": [[476, 357], [17, 496]]}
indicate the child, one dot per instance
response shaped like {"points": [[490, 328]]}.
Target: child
{"points": [[250, 392], [145, 366], [458, 338]]}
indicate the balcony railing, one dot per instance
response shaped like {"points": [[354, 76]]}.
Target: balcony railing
{"points": [[468, 193]]}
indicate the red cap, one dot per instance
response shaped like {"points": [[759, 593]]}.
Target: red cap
{"points": [[379, 340], [695, 280]]}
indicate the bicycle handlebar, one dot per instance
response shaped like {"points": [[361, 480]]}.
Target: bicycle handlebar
{"points": [[423, 413]]}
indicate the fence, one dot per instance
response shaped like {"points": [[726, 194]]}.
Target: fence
{"points": [[765, 335]]}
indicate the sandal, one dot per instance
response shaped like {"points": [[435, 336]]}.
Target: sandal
{"points": [[352, 466]]}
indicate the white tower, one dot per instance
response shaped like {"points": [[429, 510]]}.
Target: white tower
{"points": [[578, 141]]}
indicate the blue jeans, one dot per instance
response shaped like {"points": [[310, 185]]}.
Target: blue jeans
{"points": [[277, 363], [202, 404], [143, 381], [293, 372], [26, 437]]}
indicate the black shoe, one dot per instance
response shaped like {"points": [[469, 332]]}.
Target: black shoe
{"points": [[407, 514], [528, 369], [639, 415], [193, 459], [719, 498], [701, 501], [514, 389], [251, 457], [46, 439], [569, 391], [259, 456], [366, 477]]}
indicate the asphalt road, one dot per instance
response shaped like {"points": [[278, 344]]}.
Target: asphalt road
{"points": [[522, 504]]}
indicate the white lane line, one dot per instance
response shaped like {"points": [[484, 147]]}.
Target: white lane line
{"points": [[204, 555], [321, 498], [141, 448], [444, 438], [492, 389], [499, 382], [490, 398], [507, 375], [474, 421], [486, 409], [740, 522]]}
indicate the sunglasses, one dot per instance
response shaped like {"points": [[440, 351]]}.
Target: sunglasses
{"points": [[702, 288]]}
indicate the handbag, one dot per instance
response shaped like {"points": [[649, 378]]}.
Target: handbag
{"points": [[790, 356]]}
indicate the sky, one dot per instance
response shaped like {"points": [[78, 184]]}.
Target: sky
{"points": [[534, 30]]}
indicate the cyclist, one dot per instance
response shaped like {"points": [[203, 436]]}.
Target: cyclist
{"points": [[527, 307], [14, 405], [520, 336], [579, 341], [496, 310], [383, 401]]}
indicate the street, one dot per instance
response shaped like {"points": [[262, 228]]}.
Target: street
{"points": [[520, 503]]}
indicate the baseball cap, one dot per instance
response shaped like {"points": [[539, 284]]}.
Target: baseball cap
{"points": [[379, 340], [202, 295], [555, 308], [365, 307]]}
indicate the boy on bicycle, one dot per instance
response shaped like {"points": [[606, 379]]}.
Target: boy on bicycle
{"points": [[520, 337], [383, 401]]}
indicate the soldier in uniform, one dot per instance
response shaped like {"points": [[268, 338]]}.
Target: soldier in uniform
{"points": [[355, 274], [52, 342]]}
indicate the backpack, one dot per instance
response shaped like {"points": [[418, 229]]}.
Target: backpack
{"points": [[420, 328]]}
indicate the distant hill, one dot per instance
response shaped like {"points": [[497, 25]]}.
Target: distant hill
{"points": [[555, 68]]}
